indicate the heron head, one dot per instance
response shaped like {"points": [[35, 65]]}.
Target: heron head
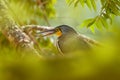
{"points": [[59, 31]]}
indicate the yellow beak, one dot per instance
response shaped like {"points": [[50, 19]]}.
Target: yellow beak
{"points": [[51, 32]]}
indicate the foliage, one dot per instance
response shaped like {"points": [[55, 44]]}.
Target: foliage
{"points": [[109, 8], [10, 15], [101, 63], [30, 11]]}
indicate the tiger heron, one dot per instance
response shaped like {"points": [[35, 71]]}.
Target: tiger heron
{"points": [[69, 40]]}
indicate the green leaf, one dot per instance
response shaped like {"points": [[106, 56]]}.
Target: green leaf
{"points": [[82, 2], [76, 3], [104, 22], [99, 25], [114, 9], [69, 2], [88, 22], [88, 2], [91, 22], [93, 4], [92, 28], [102, 2]]}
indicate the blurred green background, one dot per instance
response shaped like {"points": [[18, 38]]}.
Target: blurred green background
{"points": [[101, 64]]}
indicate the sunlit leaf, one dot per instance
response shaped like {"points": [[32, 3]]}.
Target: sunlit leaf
{"points": [[87, 22], [88, 2], [93, 4], [104, 22]]}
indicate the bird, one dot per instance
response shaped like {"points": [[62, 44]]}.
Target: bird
{"points": [[68, 40]]}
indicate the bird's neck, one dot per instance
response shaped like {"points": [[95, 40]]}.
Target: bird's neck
{"points": [[67, 36]]}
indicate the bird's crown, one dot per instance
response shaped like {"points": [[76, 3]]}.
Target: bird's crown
{"points": [[65, 29]]}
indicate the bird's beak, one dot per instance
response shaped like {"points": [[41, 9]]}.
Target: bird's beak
{"points": [[51, 32], [48, 32]]}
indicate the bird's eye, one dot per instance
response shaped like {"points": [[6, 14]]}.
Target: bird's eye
{"points": [[57, 29], [58, 32]]}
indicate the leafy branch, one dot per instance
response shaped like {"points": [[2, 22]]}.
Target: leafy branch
{"points": [[104, 18], [90, 3], [29, 11], [14, 13]]}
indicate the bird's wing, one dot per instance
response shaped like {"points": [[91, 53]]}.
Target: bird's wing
{"points": [[89, 40], [59, 47]]}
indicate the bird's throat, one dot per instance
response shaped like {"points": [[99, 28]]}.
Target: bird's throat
{"points": [[59, 33]]}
